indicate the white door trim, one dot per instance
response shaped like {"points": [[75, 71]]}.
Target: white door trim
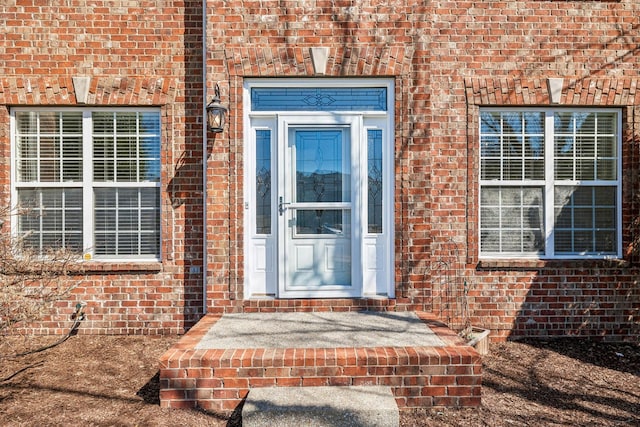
{"points": [[352, 123], [374, 261]]}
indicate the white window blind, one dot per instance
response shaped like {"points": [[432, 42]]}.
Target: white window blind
{"points": [[88, 181], [550, 183]]}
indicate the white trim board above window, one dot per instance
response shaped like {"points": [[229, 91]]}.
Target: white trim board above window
{"points": [[87, 180], [550, 183]]}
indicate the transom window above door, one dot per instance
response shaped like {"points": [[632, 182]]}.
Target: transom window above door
{"points": [[319, 99]]}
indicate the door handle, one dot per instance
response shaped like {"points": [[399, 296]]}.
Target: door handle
{"points": [[282, 205]]}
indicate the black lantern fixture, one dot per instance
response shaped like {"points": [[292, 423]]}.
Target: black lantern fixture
{"points": [[216, 113]]}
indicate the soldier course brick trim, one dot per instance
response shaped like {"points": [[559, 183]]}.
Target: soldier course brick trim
{"points": [[108, 91], [533, 92]]}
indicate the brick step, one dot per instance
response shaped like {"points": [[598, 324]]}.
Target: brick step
{"points": [[373, 406], [432, 373]]}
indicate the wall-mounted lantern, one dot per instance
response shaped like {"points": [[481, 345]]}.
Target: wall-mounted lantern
{"points": [[216, 113]]}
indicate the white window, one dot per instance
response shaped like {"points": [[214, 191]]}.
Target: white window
{"points": [[88, 181], [550, 183]]}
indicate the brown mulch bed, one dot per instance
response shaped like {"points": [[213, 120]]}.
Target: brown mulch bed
{"points": [[112, 381]]}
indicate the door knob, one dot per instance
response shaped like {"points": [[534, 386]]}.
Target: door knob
{"points": [[282, 205]]}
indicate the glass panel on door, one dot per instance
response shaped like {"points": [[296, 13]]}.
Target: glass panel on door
{"points": [[318, 222]]}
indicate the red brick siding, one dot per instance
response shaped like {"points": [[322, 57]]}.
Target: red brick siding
{"points": [[556, 298], [448, 58], [136, 53]]}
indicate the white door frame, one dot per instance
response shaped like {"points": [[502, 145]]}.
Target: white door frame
{"points": [[352, 124], [372, 252]]}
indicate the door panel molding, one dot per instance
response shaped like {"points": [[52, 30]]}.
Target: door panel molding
{"points": [[317, 283]]}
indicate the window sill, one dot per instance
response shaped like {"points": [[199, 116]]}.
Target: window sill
{"points": [[536, 264], [116, 267]]}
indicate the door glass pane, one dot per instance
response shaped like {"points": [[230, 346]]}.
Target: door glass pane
{"points": [[263, 181], [323, 221], [374, 181], [321, 174]]}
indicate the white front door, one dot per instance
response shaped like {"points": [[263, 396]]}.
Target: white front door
{"points": [[316, 214], [318, 188]]}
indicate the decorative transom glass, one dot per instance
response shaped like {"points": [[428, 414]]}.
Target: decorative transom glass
{"points": [[319, 99]]}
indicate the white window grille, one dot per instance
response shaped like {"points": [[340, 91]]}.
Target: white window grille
{"points": [[88, 181], [550, 183]]}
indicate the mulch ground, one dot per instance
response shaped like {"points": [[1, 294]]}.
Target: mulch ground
{"points": [[112, 381]]}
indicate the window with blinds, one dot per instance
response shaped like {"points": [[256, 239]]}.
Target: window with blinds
{"points": [[88, 181], [550, 183]]}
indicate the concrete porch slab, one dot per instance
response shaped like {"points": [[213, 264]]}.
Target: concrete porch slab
{"points": [[319, 330]]}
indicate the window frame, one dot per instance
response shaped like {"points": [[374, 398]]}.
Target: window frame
{"points": [[550, 183], [87, 183]]}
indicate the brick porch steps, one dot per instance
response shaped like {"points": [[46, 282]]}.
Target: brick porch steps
{"points": [[419, 376]]}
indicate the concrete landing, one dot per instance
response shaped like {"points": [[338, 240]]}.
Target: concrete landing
{"points": [[370, 406], [319, 330]]}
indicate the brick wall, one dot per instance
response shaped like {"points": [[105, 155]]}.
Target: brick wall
{"points": [[553, 298], [136, 53], [448, 58], [501, 53]]}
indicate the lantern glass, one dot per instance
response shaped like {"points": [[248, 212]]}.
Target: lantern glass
{"points": [[216, 117], [216, 113]]}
